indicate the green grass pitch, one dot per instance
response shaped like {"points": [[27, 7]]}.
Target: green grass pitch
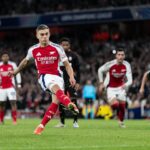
{"points": [[92, 135]]}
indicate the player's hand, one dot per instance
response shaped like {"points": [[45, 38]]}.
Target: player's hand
{"points": [[141, 91], [11, 73], [18, 86], [101, 88], [77, 86], [123, 86], [72, 81]]}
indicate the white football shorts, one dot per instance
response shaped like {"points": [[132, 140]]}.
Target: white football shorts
{"points": [[9, 93], [116, 93], [47, 81]]}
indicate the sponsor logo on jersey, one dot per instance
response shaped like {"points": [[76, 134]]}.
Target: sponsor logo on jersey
{"points": [[118, 75], [123, 70], [46, 60], [9, 69], [4, 73], [114, 70]]}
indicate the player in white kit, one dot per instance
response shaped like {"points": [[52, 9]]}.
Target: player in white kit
{"points": [[118, 79], [7, 87], [47, 56]]}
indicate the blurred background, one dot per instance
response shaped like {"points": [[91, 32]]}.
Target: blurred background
{"points": [[95, 28]]}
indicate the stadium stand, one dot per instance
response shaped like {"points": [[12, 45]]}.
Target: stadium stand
{"points": [[43, 6], [96, 44]]}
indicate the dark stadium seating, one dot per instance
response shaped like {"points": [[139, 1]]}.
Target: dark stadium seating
{"points": [[93, 43], [13, 7]]}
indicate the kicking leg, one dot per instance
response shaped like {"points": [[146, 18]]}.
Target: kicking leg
{"points": [[57, 97], [64, 99]]}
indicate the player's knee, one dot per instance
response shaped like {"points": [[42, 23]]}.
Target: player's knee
{"points": [[114, 101], [122, 102], [114, 104], [13, 103], [1, 104], [54, 88]]}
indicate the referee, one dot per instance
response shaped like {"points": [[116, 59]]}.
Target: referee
{"points": [[70, 91]]}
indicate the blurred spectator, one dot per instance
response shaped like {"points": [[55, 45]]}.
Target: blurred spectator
{"points": [[45, 6], [92, 54]]}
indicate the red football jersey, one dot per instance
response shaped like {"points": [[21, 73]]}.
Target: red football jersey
{"points": [[5, 80], [117, 74], [47, 58]]}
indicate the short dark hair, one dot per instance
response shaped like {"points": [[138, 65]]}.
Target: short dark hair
{"points": [[3, 53], [42, 27], [118, 50], [64, 39]]}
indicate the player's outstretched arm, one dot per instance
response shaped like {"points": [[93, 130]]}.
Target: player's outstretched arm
{"points": [[70, 72], [144, 80], [21, 66]]}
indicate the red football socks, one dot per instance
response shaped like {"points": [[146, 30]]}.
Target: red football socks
{"points": [[49, 113], [63, 98], [121, 112], [1, 116], [14, 115]]}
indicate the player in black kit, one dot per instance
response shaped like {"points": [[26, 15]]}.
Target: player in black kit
{"points": [[146, 78], [70, 91]]}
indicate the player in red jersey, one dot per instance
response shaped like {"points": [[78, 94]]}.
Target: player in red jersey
{"points": [[118, 79], [7, 87], [47, 56]]}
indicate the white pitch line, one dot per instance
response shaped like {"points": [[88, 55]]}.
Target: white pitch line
{"points": [[76, 147]]}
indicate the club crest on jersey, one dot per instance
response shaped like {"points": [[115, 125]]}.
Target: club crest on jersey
{"points": [[9, 69], [38, 54], [114, 70], [51, 53], [123, 70]]}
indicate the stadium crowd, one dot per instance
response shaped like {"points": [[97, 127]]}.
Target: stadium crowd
{"points": [[42, 6], [97, 46]]}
